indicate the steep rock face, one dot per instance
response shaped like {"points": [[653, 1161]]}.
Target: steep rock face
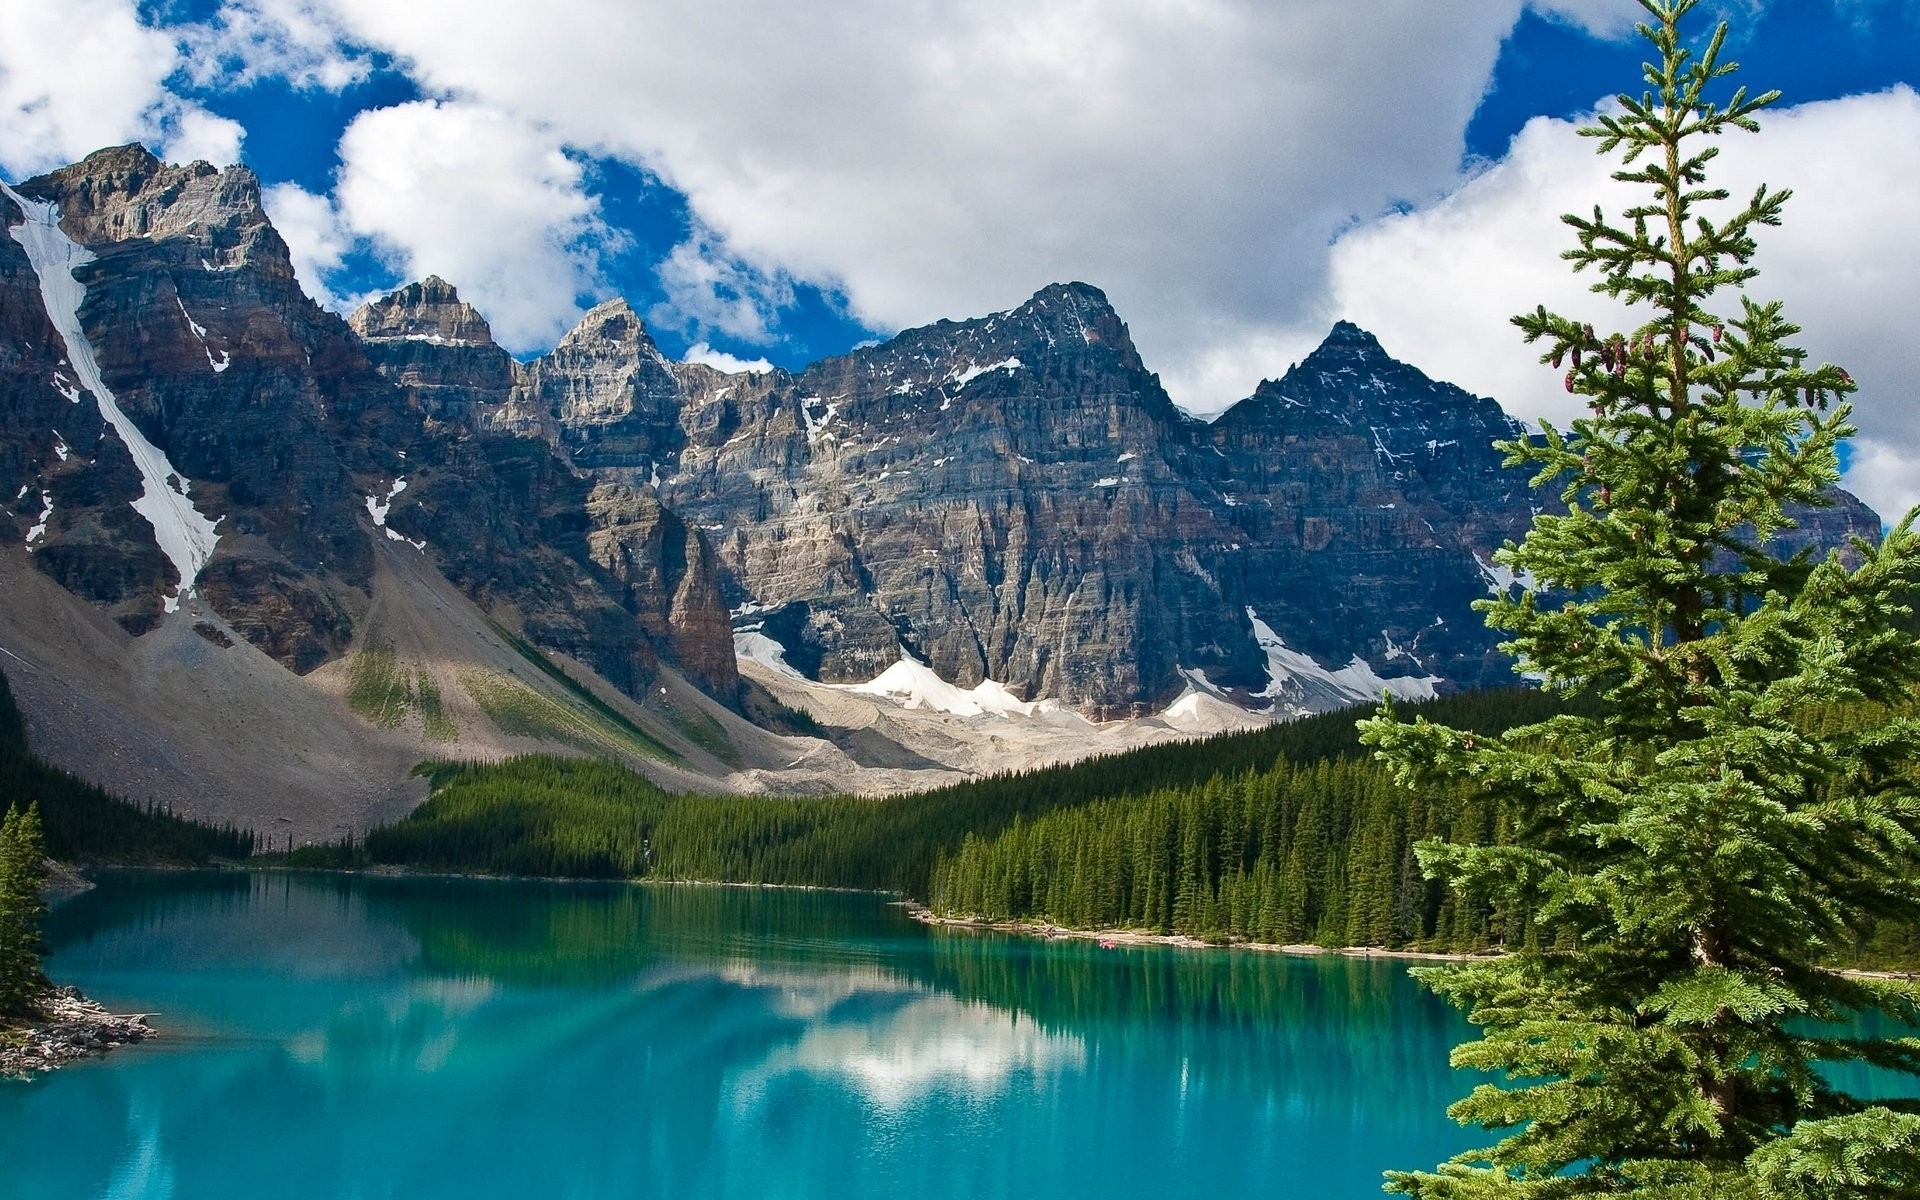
{"points": [[669, 578], [1010, 498], [67, 484], [299, 447], [617, 584], [230, 372], [439, 348], [1369, 499], [994, 496], [1014, 498], [605, 395]]}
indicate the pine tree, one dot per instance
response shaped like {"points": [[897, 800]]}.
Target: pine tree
{"points": [[1694, 854], [22, 874]]}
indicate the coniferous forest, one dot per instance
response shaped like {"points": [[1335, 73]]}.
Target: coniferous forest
{"points": [[1288, 834], [548, 816]]}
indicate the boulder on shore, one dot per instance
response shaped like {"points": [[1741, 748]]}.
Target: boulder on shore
{"points": [[70, 1027]]}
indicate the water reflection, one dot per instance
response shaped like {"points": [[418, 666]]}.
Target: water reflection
{"points": [[349, 1037], [898, 1050]]}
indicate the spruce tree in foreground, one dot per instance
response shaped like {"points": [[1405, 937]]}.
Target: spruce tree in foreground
{"points": [[1691, 858], [22, 874]]}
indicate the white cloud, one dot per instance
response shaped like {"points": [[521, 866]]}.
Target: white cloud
{"points": [[189, 133], [83, 74], [710, 290], [250, 40], [1886, 475], [1194, 158], [1438, 285], [1603, 18], [480, 198], [720, 360], [316, 238]]}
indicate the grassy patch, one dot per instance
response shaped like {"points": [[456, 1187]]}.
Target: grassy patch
{"points": [[607, 713], [703, 731], [377, 688], [440, 726], [518, 709]]}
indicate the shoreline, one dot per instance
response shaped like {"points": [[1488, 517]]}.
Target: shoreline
{"points": [[1136, 937], [71, 1028], [914, 909]]}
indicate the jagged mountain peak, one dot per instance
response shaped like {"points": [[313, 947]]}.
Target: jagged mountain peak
{"points": [[1062, 321], [1348, 337], [1351, 379], [1074, 311], [127, 192], [429, 310], [610, 323]]}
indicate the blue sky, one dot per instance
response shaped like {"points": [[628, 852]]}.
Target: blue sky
{"points": [[779, 185]]}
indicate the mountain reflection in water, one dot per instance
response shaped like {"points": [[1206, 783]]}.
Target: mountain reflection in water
{"points": [[381, 1037]]}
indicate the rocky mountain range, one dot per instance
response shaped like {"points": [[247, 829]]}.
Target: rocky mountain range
{"points": [[1010, 506]]}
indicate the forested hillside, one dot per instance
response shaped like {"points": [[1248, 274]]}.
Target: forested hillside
{"points": [[1287, 835], [573, 817]]}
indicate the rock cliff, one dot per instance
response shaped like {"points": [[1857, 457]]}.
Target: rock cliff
{"points": [[1012, 498], [296, 438]]}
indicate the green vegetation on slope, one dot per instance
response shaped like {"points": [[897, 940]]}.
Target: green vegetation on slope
{"points": [[439, 726], [377, 686], [604, 721], [555, 816], [22, 873]]}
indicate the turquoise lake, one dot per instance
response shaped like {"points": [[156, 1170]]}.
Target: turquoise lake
{"points": [[364, 1038]]}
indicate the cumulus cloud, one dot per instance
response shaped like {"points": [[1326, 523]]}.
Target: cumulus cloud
{"points": [[247, 41], [189, 134], [709, 290], [1603, 18], [720, 360], [317, 239], [84, 74], [1192, 157], [487, 200], [1439, 284]]}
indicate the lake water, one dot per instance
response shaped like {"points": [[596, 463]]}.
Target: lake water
{"points": [[358, 1039]]}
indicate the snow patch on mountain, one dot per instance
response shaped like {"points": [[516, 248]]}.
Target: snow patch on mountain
{"points": [[915, 685], [1296, 682], [1501, 579], [961, 378], [754, 646], [219, 363], [378, 508], [46, 513], [184, 534]]}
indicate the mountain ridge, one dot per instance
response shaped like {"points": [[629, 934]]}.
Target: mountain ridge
{"points": [[1011, 502]]}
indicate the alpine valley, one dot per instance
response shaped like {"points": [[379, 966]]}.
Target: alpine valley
{"points": [[257, 561]]}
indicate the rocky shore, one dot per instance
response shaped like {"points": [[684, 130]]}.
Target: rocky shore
{"points": [[1109, 938], [72, 1027]]}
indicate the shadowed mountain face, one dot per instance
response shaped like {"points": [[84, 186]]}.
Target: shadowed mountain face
{"points": [[1012, 497], [302, 440]]}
